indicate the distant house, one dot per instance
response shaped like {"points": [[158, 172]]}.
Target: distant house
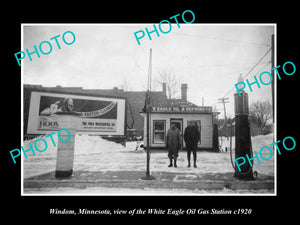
{"points": [[227, 129]]}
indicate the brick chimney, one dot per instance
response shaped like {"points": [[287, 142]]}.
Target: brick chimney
{"points": [[164, 88], [115, 90], [184, 92]]}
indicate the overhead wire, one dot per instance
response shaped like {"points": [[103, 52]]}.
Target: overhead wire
{"points": [[252, 68], [223, 39], [247, 74], [264, 65]]}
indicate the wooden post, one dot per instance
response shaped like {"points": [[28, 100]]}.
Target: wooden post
{"points": [[148, 110], [225, 100], [242, 136], [215, 138], [65, 150], [148, 135]]}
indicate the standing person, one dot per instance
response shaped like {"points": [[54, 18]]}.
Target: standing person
{"points": [[191, 138], [173, 143]]}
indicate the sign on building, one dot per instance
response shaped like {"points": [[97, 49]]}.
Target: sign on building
{"points": [[182, 109]]}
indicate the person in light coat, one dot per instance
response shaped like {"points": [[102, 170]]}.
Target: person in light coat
{"points": [[173, 144]]}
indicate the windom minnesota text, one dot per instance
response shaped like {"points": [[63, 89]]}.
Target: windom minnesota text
{"points": [[80, 211]]}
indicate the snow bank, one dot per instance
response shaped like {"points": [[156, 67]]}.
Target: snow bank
{"points": [[265, 166], [86, 144], [257, 141], [262, 140], [91, 153]]}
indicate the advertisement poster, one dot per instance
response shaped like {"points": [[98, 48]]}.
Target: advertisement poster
{"points": [[97, 115]]}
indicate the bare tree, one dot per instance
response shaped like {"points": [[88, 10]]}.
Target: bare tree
{"points": [[126, 87], [260, 114], [172, 82]]}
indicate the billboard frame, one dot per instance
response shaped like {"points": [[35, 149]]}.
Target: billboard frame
{"points": [[28, 89]]}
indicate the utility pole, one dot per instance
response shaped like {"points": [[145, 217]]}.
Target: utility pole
{"points": [[148, 110], [224, 101]]}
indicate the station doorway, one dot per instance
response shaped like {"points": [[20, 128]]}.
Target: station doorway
{"points": [[178, 123]]}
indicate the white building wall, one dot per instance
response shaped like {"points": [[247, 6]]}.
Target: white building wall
{"points": [[206, 127]]}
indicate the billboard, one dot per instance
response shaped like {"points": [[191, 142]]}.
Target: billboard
{"points": [[97, 115]]}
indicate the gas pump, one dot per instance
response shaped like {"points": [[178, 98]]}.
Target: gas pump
{"points": [[242, 136]]}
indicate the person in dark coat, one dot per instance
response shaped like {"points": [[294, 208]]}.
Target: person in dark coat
{"points": [[191, 138], [173, 144]]}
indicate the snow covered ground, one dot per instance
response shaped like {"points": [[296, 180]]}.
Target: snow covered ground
{"points": [[93, 153]]}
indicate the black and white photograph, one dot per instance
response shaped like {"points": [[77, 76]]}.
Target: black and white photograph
{"points": [[145, 111], [176, 109]]}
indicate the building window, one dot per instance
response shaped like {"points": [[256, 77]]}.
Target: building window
{"points": [[198, 126], [159, 131]]}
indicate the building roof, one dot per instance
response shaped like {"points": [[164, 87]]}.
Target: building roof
{"points": [[175, 103]]}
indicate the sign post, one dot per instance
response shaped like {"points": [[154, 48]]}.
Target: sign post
{"points": [[65, 149]]}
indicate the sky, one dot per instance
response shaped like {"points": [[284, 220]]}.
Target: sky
{"points": [[207, 57]]}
